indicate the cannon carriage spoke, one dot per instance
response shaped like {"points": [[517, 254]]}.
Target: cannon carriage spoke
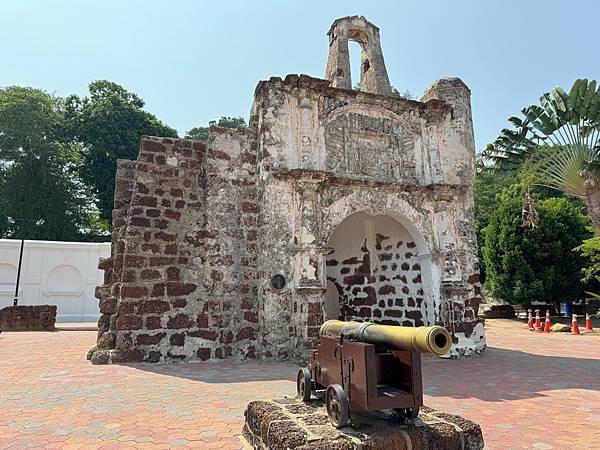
{"points": [[338, 408]]}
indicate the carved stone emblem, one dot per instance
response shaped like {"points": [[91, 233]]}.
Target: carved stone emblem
{"points": [[360, 145]]}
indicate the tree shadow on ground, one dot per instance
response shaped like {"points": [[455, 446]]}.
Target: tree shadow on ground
{"points": [[497, 375], [501, 374]]}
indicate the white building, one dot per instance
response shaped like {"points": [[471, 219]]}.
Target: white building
{"points": [[64, 274]]}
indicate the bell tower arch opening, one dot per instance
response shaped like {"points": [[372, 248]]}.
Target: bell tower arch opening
{"points": [[354, 53], [373, 74], [375, 272]]}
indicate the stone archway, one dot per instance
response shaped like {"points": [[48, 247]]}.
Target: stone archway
{"points": [[376, 272]]}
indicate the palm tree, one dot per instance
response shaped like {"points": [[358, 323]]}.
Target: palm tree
{"points": [[562, 140]]}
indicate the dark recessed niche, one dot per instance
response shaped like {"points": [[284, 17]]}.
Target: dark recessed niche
{"points": [[278, 281]]}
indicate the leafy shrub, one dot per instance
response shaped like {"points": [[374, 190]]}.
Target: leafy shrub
{"points": [[534, 264]]}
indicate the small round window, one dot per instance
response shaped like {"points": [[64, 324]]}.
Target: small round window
{"points": [[278, 281]]}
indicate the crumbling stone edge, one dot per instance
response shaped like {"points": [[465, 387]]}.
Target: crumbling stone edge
{"points": [[292, 424]]}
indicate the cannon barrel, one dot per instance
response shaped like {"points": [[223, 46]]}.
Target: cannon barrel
{"points": [[433, 339]]}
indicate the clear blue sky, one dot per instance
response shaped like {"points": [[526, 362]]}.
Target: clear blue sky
{"points": [[193, 61]]}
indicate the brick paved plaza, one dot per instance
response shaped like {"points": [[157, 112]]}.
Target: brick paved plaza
{"points": [[526, 391]]}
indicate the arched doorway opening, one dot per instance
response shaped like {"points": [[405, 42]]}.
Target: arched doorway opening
{"points": [[332, 305], [376, 272]]}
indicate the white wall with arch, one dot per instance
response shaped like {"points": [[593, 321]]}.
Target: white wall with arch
{"points": [[64, 274]]}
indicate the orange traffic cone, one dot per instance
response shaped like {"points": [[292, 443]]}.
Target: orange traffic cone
{"points": [[588, 323], [538, 325], [547, 323], [575, 325], [529, 321]]}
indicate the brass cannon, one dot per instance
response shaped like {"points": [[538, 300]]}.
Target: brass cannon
{"points": [[367, 367]]}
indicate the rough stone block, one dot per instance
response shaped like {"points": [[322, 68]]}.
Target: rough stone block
{"points": [[108, 305], [106, 341], [28, 318], [154, 307], [498, 312], [177, 339], [203, 353], [179, 289], [99, 356], [150, 339], [153, 322], [133, 291], [291, 423], [179, 321], [209, 335], [129, 322]]}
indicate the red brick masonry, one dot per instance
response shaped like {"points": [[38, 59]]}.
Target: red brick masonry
{"points": [[28, 318]]}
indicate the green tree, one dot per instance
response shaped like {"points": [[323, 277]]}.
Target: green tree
{"points": [[590, 249], [486, 189], [488, 186], [524, 264], [395, 92], [109, 123], [201, 133], [38, 176], [561, 137], [406, 94]]}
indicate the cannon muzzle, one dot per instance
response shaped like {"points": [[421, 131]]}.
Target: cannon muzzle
{"points": [[434, 339]]}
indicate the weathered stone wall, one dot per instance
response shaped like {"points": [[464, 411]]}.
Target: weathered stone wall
{"points": [[329, 153], [230, 273], [181, 283], [220, 248], [108, 292], [28, 318], [375, 273]]}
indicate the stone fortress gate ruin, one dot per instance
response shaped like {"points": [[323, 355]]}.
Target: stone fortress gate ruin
{"points": [[333, 203]]}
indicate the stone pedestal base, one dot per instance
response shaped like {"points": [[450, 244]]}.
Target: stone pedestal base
{"points": [[291, 423]]}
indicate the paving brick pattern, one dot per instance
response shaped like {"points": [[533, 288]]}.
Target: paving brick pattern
{"points": [[527, 391]]}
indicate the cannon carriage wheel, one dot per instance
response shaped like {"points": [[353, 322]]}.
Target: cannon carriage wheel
{"points": [[338, 408], [304, 384]]}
